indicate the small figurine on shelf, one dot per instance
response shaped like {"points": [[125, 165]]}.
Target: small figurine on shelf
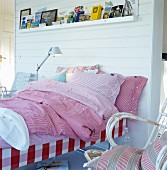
{"points": [[62, 17], [60, 20], [77, 12], [106, 15], [112, 13], [30, 20], [65, 19], [107, 9], [96, 12], [127, 9], [28, 23], [78, 9], [84, 17], [70, 17]]}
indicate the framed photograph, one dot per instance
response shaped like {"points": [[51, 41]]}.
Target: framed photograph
{"points": [[48, 17], [24, 12], [38, 16], [37, 19]]}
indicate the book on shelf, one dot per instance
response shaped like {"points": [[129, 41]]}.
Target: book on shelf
{"points": [[53, 165]]}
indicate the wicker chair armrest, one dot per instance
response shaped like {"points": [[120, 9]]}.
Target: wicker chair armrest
{"points": [[160, 159], [119, 116]]}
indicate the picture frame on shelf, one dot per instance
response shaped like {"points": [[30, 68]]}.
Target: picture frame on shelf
{"points": [[23, 22], [37, 18], [48, 17], [23, 13], [116, 11]]}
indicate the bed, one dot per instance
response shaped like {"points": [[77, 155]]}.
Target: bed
{"points": [[11, 158], [98, 104]]}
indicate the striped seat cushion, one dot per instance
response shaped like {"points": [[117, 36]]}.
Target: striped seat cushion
{"points": [[71, 70], [118, 158], [149, 156]]}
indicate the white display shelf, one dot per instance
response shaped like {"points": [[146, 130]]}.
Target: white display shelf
{"points": [[82, 24]]}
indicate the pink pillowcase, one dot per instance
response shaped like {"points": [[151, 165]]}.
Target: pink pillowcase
{"points": [[128, 98], [71, 70], [130, 91], [107, 85]]}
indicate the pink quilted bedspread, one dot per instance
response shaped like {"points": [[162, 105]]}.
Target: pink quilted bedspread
{"points": [[55, 108]]}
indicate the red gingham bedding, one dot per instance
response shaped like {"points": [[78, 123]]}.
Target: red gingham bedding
{"points": [[11, 158]]}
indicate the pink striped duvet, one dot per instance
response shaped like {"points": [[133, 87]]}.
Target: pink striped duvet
{"points": [[54, 108]]}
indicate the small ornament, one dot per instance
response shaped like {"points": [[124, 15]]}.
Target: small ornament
{"points": [[112, 13], [84, 17], [77, 12], [127, 10], [96, 12], [71, 17], [106, 15]]}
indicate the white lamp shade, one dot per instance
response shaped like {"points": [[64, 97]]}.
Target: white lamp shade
{"points": [[55, 51]]}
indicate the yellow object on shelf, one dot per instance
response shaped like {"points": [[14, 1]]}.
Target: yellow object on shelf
{"points": [[96, 12]]}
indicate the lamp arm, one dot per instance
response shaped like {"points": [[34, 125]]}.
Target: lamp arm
{"points": [[38, 67]]}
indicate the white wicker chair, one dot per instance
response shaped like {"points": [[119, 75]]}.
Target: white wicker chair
{"points": [[21, 79], [159, 127], [109, 159]]}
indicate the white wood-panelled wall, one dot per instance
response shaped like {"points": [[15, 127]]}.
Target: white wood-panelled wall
{"points": [[125, 48]]}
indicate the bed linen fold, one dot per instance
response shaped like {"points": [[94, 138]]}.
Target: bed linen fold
{"points": [[13, 129]]}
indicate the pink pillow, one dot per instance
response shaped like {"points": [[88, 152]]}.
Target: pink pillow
{"points": [[71, 70], [128, 98], [107, 85]]}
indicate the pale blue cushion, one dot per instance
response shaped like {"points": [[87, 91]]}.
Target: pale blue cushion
{"points": [[60, 77]]}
